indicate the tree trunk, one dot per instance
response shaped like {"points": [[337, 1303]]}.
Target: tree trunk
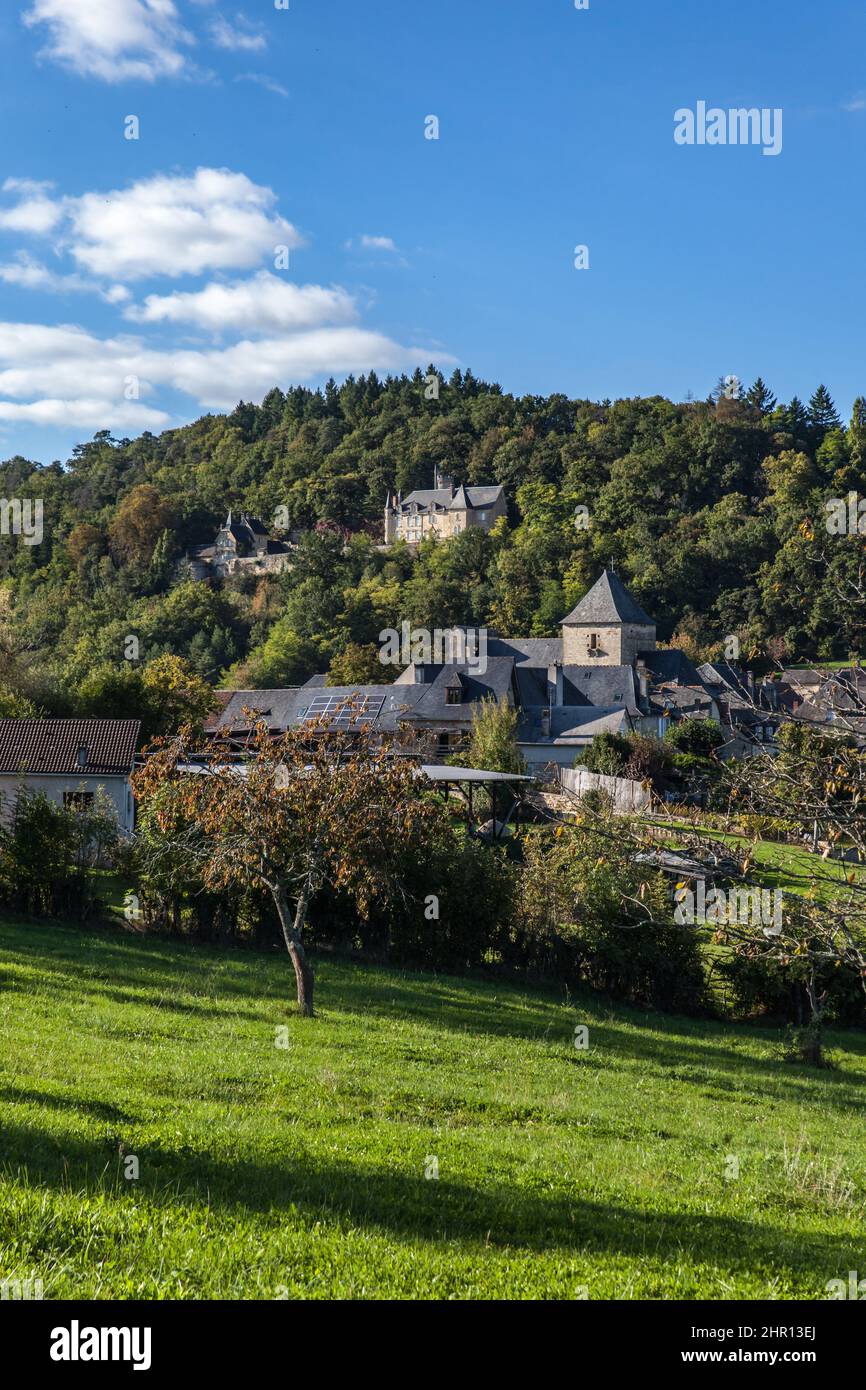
{"points": [[294, 945], [813, 1052]]}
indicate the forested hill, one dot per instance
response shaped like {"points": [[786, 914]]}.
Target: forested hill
{"points": [[712, 512]]}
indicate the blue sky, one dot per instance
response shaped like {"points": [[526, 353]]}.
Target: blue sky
{"points": [[138, 284]]}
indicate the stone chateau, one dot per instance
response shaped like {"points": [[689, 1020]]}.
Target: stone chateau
{"points": [[443, 510], [242, 543]]}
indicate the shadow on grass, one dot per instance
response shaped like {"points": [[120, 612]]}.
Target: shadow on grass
{"points": [[98, 1109], [456, 1005], [406, 1206]]}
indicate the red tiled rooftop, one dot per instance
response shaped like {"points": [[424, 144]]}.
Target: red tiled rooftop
{"points": [[54, 746]]}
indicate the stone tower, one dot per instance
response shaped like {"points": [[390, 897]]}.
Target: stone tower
{"points": [[607, 627]]}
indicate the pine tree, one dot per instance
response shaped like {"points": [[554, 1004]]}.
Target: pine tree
{"points": [[823, 415], [797, 419], [761, 397], [856, 439]]}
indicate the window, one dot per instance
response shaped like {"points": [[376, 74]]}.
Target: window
{"points": [[454, 695], [77, 801], [593, 642]]}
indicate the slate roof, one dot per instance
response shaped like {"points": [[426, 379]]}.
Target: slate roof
{"points": [[680, 697], [531, 684], [571, 724], [52, 746], [607, 602], [535, 651], [276, 707], [671, 666], [724, 676], [447, 498], [803, 676], [495, 683], [604, 686], [282, 709]]}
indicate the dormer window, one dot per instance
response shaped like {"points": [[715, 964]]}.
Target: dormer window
{"points": [[83, 755], [453, 695]]}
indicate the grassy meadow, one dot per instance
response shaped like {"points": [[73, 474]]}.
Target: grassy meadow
{"points": [[672, 1158]]}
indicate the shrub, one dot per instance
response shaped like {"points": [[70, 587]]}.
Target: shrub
{"points": [[597, 802], [46, 851], [588, 913], [766, 986], [700, 737], [607, 755]]}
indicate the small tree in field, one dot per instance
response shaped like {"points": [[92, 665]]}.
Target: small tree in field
{"points": [[813, 944], [322, 805]]}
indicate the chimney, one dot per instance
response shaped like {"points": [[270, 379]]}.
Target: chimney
{"points": [[554, 685], [643, 683]]}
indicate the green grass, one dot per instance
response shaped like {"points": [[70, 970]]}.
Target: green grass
{"points": [[268, 1173], [778, 865]]}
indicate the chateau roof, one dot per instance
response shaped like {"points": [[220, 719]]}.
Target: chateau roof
{"points": [[608, 602], [463, 499]]}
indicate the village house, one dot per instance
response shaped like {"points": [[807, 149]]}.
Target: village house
{"points": [[604, 673], [70, 761], [444, 510], [242, 544]]}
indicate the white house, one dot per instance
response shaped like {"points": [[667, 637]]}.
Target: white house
{"points": [[70, 760]]}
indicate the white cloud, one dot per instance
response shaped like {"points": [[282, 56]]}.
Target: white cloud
{"points": [[262, 80], [240, 37], [35, 211], [248, 369], [30, 274], [216, 220], [165, 225], [857, 103], [378, 243], [264, 304], [114, 40], [42, 367], [85, 413]]}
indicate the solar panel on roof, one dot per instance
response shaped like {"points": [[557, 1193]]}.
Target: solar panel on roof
{"points": [[363, 707]]}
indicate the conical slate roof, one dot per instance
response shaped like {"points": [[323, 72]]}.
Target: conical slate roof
{"points": [[607, 602]]}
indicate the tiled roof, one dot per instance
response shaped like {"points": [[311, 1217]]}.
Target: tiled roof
{"points": [[69, 747]]}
